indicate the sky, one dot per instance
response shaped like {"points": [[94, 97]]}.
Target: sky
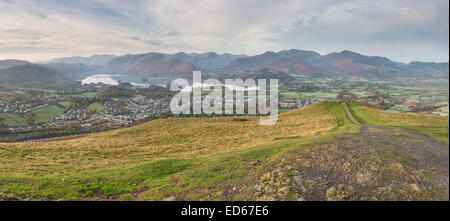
{"points": [[402, 30]]}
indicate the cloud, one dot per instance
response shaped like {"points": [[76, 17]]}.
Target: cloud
{"points": [[403, 30]]}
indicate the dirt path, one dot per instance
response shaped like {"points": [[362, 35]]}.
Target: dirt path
{"points": [[347, 115], [378, 163], [426, 150]]}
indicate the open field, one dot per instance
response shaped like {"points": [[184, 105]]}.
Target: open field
{"points": [[47, 113], [227, 159], [65, 103], [87, 94], [11, 120], [295, 95], [95, 106]]}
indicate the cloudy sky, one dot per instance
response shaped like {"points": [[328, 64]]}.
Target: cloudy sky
{"points": [[403, 30]]}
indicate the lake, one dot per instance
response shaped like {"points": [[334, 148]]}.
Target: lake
{"points": [[100, 78], [111, 79]]}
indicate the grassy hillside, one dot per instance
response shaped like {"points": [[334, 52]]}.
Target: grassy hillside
{"points": [[221, 158], [180, 138], [434, 126]]}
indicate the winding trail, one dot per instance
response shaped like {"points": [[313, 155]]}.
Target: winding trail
{"points": [[347, 115], [424, 149]]}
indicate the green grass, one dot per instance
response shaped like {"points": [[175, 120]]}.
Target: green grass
{"points": [[283, 110], [107, 182], [163, 177], [13, 120], [95, 106], [65, 103], [87, 94], [47, 113], [434, 126], [199, 176], [296, 95]]}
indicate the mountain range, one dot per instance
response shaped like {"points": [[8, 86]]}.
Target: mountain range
{"points": [[293, 62], [286, 64]]}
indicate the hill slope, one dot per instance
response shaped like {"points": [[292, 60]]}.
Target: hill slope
{"points": [[151, 65], [92, 61], [35, 76], [74, 71], [300, 158]]}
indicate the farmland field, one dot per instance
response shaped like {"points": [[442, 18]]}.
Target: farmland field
{"points": [[87, 94], [295, 95], [12, 120], [65, 103], [47, 113], [95, 106]]}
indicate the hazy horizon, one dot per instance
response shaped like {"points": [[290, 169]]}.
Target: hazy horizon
{"points": [[402, 30]]}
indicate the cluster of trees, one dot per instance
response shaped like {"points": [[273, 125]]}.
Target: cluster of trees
{"points": [[82, 102], [423, 108], [154, 91], [115, 91]]}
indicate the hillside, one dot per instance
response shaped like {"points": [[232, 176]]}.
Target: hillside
{"points": [[34, 76], [12, 62], [151, 65], [74, 71], [92, 61], [319, 152], [292, 61], [266, 73], [207, 61]]}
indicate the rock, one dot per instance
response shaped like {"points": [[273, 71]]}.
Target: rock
{"points": [[266, 198], [414, 187], [417, 176], [298, 180], [362, 178], [283, 190], [170, 198], [268, 189], [257, 187], [340, 193], [397, 168], [266, 176], [301, 199], [330, 193]]}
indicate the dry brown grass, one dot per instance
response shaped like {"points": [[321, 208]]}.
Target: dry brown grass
{"points": [[176, 138]]}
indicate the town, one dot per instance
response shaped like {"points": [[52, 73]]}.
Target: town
{"points": [[29, 114]]}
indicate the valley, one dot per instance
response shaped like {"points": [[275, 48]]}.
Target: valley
{"points": [[351, 127]]}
